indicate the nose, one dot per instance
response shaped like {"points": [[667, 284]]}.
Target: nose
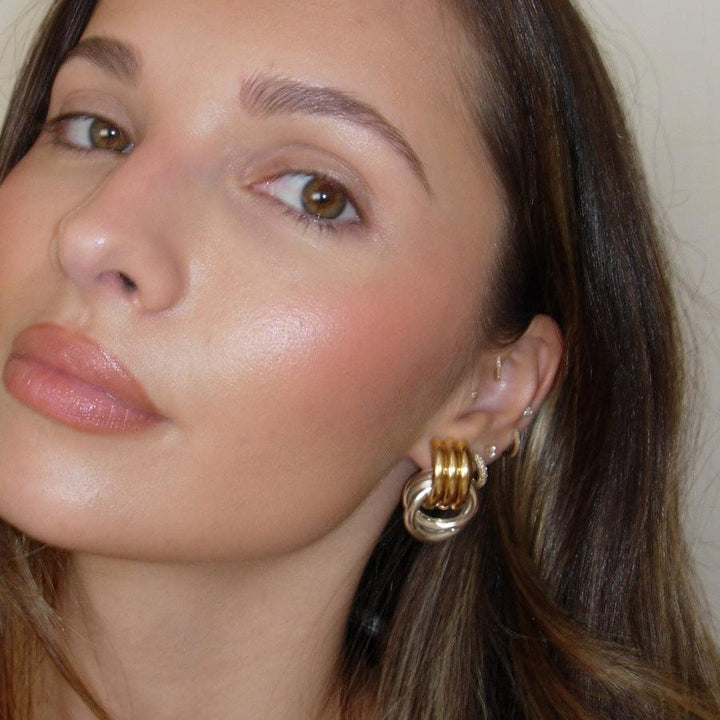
{"points": [[119, 239]]}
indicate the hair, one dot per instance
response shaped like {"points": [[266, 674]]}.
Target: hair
{"points": [[571, 594]]}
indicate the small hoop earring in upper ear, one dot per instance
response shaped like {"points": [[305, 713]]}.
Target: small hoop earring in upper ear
{"points": [[498, 368], [514, 449], [440, 502]]}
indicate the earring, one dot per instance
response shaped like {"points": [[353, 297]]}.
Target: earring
{"points": [[498, 368], [515, 447], [440, 502]]}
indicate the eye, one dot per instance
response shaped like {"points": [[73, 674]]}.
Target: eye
{"points": [[89, 132], [313, 196]]}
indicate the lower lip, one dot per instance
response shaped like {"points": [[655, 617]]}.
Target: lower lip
{"points": [[71, 401]]}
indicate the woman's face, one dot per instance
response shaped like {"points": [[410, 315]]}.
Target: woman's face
{"points": [[239, 273]]}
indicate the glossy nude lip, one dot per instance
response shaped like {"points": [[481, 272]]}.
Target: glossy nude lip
{"points": [[70, 378]]}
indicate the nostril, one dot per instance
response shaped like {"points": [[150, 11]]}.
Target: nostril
{"points": [[127, 282], [117, 279]]}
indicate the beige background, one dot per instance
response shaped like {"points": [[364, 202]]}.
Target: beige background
{"points": [[665, 59]]}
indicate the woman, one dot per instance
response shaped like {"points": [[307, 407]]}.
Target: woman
{"points": [[262, 262]]}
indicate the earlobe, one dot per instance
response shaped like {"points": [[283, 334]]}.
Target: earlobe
{"points": [[502, 395]]}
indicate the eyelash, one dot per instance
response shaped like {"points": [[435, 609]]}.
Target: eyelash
{"points": [[57, 126]]}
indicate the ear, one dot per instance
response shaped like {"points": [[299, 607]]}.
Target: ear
{"points": [[500, 394]]}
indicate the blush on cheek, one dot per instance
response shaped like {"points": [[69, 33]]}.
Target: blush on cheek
{"points": [[380, 361]]}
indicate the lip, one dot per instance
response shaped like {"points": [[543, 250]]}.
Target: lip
{"points": [[70, 378]]}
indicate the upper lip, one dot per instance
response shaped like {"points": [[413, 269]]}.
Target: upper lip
{"points": [[78, 356]]}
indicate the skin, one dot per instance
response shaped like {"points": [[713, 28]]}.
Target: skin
{"points": [[300, 372]]}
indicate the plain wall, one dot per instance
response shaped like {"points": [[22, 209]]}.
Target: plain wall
{"points": [[664, 55]]}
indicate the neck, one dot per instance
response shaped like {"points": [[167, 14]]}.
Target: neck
{"points": [[228, 641], [203, 642]]}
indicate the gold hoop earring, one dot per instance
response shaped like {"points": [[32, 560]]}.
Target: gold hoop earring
{"points": [[514, 449], [498, 368], [439, 502]]}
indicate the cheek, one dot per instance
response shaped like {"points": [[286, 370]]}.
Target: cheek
{"points": [[310, 407], [380, 359], [32, 204], [24, 286], [351, 378], [17, 224]]}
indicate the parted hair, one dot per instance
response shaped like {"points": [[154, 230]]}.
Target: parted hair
{"points": [[571, 594]]}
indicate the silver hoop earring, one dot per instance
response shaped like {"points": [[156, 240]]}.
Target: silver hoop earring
{"points": [[440, 502]]}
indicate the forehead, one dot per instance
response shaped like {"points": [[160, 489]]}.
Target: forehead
{"points": [[397, 56], [398, 37]]}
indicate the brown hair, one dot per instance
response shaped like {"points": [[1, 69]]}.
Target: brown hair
{"points": [[571, 593]]}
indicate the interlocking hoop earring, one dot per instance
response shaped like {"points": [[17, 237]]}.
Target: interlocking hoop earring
{"points": [[439, 502]]}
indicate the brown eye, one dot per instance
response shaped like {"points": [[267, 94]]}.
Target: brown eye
{"points": [[314, 197], [105, 136], [89, 132], [323, 198]]}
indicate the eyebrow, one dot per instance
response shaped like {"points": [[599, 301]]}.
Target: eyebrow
{"points": [[110, 55], [271, 95]]}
